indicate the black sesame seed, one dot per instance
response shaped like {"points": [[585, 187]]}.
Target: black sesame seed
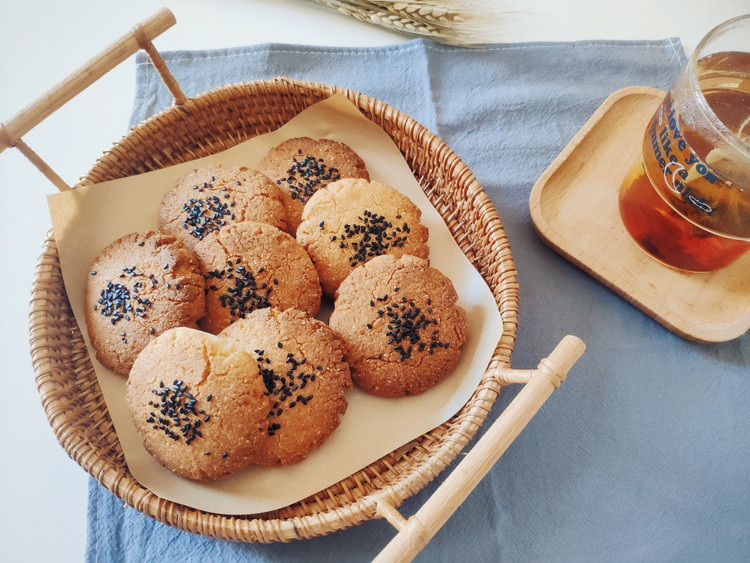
{"points": [[306, 176], [204, 216], [406, 324], [176, 406], [283, 387], [243, 296], [116, 300]]}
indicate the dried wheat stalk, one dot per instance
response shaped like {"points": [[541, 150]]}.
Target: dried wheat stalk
{"points": [[464, 23]]}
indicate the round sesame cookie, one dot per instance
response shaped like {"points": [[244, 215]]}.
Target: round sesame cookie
{"points": [[351, 221], [139, 286], [301, 166], [249, 266], [400, 325], [198, 402], [208, 199], [305, 375]]}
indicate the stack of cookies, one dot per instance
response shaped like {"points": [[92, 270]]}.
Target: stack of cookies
{"points": [[212, 316]]}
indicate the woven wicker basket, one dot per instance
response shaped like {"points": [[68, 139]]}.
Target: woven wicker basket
{"points": [[212, 122]]}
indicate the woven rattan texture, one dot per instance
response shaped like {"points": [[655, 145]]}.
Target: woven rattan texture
{"points": [[206, 124]]}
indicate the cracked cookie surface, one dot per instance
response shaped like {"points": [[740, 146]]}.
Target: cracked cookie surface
{"points": [[401, 327], [139, 286], [302, 165], [198, 402], [303, 368], [352, 221], [211, 198], [249, 266]]}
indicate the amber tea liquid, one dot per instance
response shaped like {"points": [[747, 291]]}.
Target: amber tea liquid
{"points": [[678, 202]]}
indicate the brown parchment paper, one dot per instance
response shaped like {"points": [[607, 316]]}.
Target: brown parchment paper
{"points": [[88, 218]]}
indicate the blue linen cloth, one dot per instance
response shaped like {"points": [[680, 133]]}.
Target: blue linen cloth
{"points": [[643, 454]]}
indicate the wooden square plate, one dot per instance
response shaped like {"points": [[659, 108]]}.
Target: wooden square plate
{"points": [[574, 207]]}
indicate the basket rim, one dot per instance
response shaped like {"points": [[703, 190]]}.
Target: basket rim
{"points": [[284, 525]]}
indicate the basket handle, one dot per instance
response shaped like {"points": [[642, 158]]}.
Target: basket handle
{"points": [[417, 531], [139, 37]]}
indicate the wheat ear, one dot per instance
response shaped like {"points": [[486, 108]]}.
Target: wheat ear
{"points": [[464, 23]]}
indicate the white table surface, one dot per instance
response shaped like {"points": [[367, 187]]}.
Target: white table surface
{"points": [[42, 41]]}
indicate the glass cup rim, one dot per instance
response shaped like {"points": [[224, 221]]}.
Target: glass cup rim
{"points": [[734, 140]]}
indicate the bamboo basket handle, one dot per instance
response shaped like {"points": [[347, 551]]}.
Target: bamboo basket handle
{"points": [[139, 37], [418, 530]]}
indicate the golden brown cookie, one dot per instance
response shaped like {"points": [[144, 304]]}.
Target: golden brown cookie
{"points": [[305, 374], [352, 221], [208, 199], [139, 286], [400, 325], [249, 266], [198, 403], [302, 165]]}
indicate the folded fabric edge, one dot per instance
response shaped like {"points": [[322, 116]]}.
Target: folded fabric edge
{"points": [[145, 69], [196, 54]]}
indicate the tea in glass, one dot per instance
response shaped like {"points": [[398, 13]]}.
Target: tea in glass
{"points": [[687, 200]]}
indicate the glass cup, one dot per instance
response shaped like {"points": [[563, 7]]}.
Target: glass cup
{"points": [[686, 201]]}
